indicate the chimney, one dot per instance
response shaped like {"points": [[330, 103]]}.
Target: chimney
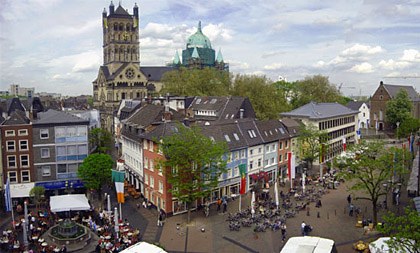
{"points": [[241, 113]]}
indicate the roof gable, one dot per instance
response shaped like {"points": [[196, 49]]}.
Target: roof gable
{"points": [[317, 111], [58, 117], [394, 89]]}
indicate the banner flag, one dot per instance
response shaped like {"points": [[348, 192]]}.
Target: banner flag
{"points": [[344, 144], [242, 172], [118, 178], [291, 170], [106, 23], [7, 196]]}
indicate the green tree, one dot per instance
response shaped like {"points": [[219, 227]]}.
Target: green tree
{"points": [[404, 231], [316, 88], [371, 168], [409, 126], [95, 171], [310, 141], [398, 109], [37, 192], [100, 139], [196, 82], [267, 101], [193, 164]]}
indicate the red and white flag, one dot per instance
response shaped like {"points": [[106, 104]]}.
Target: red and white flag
{"points": [[344, 144], [291, 170]]}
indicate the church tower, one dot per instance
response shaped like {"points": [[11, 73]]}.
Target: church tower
{"points": [[120, 76]]}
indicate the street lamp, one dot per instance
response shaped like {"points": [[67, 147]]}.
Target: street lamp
{"points": [[398, 132]]}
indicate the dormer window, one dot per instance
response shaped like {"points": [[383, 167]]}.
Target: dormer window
{"points": [[236, 136], [227, 138]]}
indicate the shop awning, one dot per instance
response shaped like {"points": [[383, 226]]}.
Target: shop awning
{"points": [[70, 202], [20, 190], [143, 247]]}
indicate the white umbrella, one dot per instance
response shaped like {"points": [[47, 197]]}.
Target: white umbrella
{"points": [[303, 182], [116, 226], [253, 202], [276, 193]]}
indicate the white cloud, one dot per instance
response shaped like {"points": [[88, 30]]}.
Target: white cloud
{"points": [[274, 66], [392, 65], [362, 68], [217, 32], [411, 55], [359, 49]]}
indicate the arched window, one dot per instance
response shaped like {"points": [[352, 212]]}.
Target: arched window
{"points": [[128, 27], [121, 27], [115, 27]]}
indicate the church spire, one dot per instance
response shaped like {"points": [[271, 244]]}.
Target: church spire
{"points": [[219, 57], [195, 54], [176, 59], [199, 26]]}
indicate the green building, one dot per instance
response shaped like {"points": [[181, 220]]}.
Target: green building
{"points": [[199, 53]]}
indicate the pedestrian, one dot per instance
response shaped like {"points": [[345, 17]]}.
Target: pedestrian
{"points": [[302, 228], [64, 249], [283, 232], [397, 199], [351, 209], [349, 199], [160, 218], [318, 203], [144, 204], [224, 205], [219, 203]]}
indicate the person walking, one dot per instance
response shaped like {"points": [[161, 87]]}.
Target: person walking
{"points": [[351, 210], [302, 228], [349, 199], [219, 203], [283, 232], [160, 218], [224, 205]]}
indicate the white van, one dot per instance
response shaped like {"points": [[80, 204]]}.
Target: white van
{"points": [[309, 244]]}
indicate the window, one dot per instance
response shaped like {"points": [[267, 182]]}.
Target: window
{"points": [[44, 134], [281, 145], [267, 149], [23, 132], [61, 168], [24, 160], [236, 136], [10, 146], [81, 131], [251, 151], [235, 171], [243, 153], [251, 164], [272, 160], [82, 149], [61, 150], [273, 147], [13, 176], [280, 158], [11, 161], [146, 162], [286, 144], [259, 150], [160, 186], [72, 150], [151, 165], [10, 133], [25, 176], [227, 138], [46, 171], [151, 146], [152, 182], [265, 162], [259, 162], [23, 145]]}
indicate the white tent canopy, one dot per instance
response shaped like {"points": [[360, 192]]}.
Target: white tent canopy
{"points": [[70, 202], [143, 247]]}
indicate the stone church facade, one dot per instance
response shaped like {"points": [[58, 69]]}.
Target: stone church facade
{"points": [[120, 76]]}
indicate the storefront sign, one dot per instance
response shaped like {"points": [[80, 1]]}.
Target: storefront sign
{"points": [[54, 185]]}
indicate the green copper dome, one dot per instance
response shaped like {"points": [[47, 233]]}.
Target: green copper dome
{"points": [[198, 39]]}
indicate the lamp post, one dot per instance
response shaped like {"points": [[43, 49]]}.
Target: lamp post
{"points": [[69, 187], [398, 132], [386, 195]]}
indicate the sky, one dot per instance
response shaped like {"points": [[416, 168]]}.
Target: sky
{"points": [[56, 45]]}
